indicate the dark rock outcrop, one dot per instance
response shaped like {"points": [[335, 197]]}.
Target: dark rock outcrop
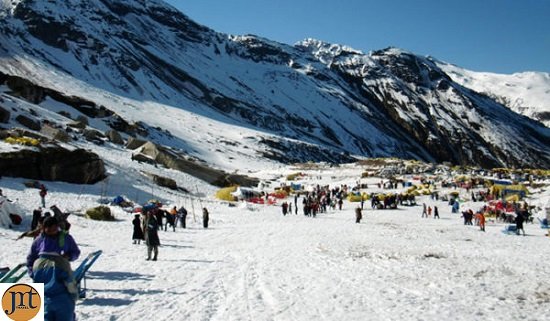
{"points": [[4, 115], [53, 164], [175, 161], [28, 122], [165, 182]]}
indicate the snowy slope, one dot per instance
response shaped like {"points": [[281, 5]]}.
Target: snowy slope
{"points": [[309, 106], [527, 93], [246, 104], [254, 264]]}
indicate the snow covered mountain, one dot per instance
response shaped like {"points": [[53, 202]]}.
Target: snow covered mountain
{"points": [[527, 93], [196, 89]]}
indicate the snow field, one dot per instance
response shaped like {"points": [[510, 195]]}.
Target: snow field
{"points": [[255, 264]]}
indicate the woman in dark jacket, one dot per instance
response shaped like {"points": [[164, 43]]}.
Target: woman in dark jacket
{"points": [[138, 232]]}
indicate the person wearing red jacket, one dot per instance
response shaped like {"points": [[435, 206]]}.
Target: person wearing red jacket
{"points": [[481, 220], [43, 192]]}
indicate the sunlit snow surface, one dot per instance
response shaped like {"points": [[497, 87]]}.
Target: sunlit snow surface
{"points": [[254, 264], [527, 93]]}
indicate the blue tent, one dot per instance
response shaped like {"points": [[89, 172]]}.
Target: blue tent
{"points": [[117, 200]]}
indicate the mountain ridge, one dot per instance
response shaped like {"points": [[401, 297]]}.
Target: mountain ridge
{"points": [[386, 103]]}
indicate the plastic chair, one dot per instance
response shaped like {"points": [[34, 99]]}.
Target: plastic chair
{"points": [[14, 275], [80, 272]]}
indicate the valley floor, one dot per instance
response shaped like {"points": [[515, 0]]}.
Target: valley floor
{"points": [[255, 264]]}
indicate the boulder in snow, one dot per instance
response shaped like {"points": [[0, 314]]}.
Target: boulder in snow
{"points": [[134, 143], [28, 122], [53, 164], [114, 137], [100, 213], [55, 133], [4, 115]]}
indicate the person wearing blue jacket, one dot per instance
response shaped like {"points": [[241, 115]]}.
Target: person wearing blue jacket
{"points": [[48, 263]]}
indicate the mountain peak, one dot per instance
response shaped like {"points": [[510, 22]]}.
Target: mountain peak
{"points": [[325, 51]]}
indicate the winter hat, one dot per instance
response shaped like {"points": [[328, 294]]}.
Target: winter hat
{"points": [[50, 221]]}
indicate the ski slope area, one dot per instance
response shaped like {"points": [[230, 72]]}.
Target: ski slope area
{"points": [[253, 263]]}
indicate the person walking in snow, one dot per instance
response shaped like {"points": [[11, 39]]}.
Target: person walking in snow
{"points": [[182, 214], [151, 236], [429, 211], [137, 236], [285, 208], [340, 203], [205, 217], [424, 211], [173, 215], [436, 212], [519, 223], [43, 192], [358, 215], [48, 263], [481, 221]]}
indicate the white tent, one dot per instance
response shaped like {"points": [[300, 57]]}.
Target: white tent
{"points": [[246, 193], [7, 207]]}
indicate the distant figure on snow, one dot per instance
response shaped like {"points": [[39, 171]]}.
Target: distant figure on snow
{"points": [[151, 236], [138, 232], [436, 212], [182, 214], [424, 210], [205, 217], [358, 215], [285, 208], [43, 192], [481, 221], [519, 223]]}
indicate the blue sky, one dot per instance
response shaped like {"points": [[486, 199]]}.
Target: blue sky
{"points": [[502, 36]]}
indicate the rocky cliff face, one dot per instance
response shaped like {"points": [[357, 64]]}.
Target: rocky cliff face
{"points": [[313, 101]]}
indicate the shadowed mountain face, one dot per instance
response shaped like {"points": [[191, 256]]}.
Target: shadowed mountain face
{"points": [[315, 98]]}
